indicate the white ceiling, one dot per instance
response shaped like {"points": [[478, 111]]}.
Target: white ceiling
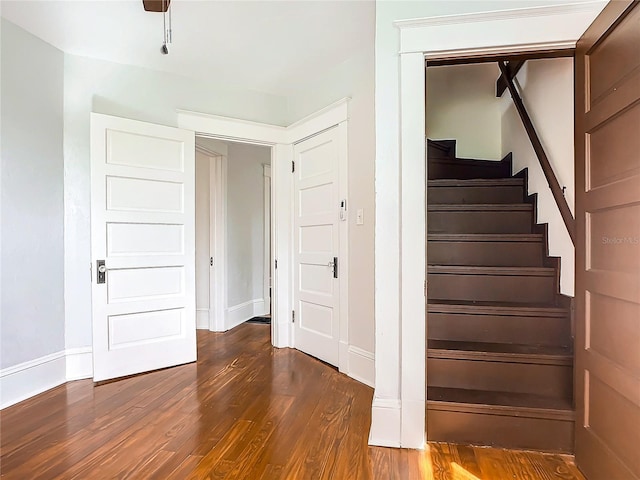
{"points": [[268, 46]]}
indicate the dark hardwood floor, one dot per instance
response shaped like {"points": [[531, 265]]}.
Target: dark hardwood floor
{"points": [[244, 411]]}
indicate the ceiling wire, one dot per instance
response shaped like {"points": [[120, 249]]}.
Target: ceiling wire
{"points": [[167, 32]]}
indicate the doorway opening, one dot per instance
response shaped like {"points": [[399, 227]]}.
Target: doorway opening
{"points": [[496, 312], [233, 234]]}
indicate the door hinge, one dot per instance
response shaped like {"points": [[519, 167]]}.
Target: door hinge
{"points": [[276, 263], [293, 166], [293, 316], [211, 261]]}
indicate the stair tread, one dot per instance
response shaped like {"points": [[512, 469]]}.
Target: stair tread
{"points": [[479, 207], [489, 270], [467, 161], [476, 182], [501, 308], [485, 237], [500, 399], [495, 308], [500, 348]]}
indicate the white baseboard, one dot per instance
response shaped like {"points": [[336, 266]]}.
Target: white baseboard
{"points": [[79, 363], [202, 318], [385, 423], [282, 338], [362, 365], [22, 381], [242, 312], [413, 427], [262, 307], [25, 380]]}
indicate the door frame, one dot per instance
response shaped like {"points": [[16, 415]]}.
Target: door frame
{"points": [[266, 184], [281, 140], [398, 413], [217, 236]]}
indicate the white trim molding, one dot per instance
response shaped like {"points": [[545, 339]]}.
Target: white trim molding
{"points": [[242, 312], [79, 363], [361, 365], [398, 414], [319, 121], [516, 13], [202, 318], [25, 380], [266, 233], [548, 27], [385, 422], [226, 128], [22, 381]]}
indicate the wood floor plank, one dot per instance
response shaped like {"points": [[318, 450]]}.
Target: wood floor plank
{"points": [[245, 410]]}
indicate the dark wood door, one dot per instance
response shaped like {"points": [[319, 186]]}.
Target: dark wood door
{"points": [[608, 246]]}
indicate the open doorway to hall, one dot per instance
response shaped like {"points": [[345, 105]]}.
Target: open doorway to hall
{"points": [[233, 234]]}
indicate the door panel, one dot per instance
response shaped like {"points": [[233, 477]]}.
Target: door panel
{"points": [[316, 243], [608, 245], [143, 227]]}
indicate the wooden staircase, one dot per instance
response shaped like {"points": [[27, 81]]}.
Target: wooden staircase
{"points": [[499, 357]]}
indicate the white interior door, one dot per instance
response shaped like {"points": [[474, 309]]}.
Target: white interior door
{"points": [[317, 246], [143, 228]]}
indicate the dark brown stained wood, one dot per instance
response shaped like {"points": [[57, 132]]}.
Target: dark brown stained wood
{"points": [[542, 378], [531, 433], [441, 148], [478, 218], [244, 411], [607, 376], [561, 202], [156, 5], [466, 168], [499, 324], [496, 250], [499, 190], [492, 284], [512, 67], [501, 57]]}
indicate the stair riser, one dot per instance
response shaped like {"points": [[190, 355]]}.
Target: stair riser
{"points": [[547, 380], [439, 168], [513, 254], [548, 331], [493, 194], [500, 431], [491, 288], [480, 222]]}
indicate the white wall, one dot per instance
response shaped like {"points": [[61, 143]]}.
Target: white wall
{"points": [[546, 87], [462, 105], [354, 79], [32, 310], [245, 231], [141, 94], [202, 239]]}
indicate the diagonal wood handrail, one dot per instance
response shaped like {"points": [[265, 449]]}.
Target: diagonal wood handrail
{"points": [[558, 195]]}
